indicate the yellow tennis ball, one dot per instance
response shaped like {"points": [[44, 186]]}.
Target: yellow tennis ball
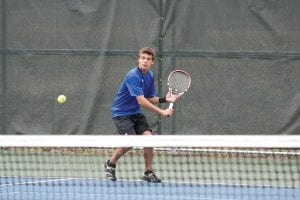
{"points": [[61, 98]]}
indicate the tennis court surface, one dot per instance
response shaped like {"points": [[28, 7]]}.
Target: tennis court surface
{"points": [[191, 167]]}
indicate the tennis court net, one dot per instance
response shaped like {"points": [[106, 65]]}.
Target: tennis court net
{"points": [[191, 167]]}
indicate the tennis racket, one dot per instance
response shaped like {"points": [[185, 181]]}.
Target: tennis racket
{"points": [[179, 82]]}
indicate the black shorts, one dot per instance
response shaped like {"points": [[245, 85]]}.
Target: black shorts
{"points": [[132, 124]]}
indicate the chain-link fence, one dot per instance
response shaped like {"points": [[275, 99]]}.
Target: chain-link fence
{"points": [[243, 57]]}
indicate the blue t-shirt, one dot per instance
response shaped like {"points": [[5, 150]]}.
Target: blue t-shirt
{"points": [[135, 84]]}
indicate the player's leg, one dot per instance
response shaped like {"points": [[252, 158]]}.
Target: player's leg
{"points": [[110, 164], [148, 154], [142, 128], [149, 174], [118, 153], [124, 126]]}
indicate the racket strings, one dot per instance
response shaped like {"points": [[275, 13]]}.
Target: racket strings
{"points": [[179, 82]]}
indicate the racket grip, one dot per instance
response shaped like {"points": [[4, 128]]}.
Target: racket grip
{"points": [[171, 105]]}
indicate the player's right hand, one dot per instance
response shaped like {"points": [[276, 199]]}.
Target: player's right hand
{"points": [[168, 112]]}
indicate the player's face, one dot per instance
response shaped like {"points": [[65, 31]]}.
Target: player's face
{"points": [[145, 62]]}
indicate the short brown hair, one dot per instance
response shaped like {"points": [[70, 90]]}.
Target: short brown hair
{"points": [[147, 50]]}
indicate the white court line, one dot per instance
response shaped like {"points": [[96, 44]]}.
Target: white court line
{"points": [[213, 184], [114, 195], [34, 182], [105, 180], [137, 180]]}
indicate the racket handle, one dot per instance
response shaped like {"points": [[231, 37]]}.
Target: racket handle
{"points": [[171, 105]]}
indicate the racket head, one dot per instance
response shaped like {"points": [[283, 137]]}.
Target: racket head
{"points": [[179, 81]]}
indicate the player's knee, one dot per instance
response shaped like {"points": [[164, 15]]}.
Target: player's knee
{"points": [[147, 133]]}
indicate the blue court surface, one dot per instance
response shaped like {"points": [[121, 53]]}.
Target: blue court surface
{"points": [[18, 188]]}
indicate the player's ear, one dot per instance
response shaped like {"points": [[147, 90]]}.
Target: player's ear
{"points": [[153, 60]]}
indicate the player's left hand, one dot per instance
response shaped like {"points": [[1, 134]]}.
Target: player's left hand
{"points": [[171, 97]]}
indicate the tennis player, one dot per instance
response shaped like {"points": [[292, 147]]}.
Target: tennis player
{"points": [[137, 90]]}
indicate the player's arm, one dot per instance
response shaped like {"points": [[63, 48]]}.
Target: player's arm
{"points": [[153, 100], [149, 105], [168, 98]]}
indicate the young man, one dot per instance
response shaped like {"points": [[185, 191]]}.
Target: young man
{"points": [[137, 90]]}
